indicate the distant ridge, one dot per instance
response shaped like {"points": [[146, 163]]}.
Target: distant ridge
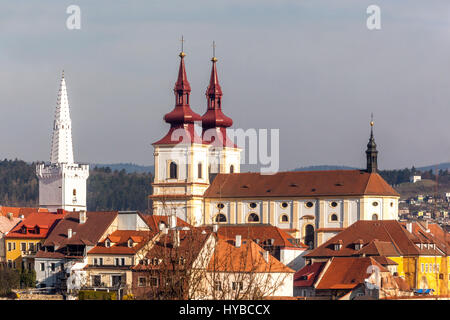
{"points": [[128, 167], [325, 167], [441, 166]]}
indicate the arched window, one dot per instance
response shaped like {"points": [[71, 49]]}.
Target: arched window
{"points": [[309, 236], [173, 168], [253, 217], [374, 216], [74, 192], [334, 217], [220, 218], [284, 218], [231, 169], [200, 170]]}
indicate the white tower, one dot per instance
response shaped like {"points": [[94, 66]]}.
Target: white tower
{"points": [[62, 184]]}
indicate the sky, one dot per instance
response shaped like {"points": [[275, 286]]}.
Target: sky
{"points": [[311, 69]]}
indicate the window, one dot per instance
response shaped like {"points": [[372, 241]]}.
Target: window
{"points": [[116, 261], [253, 217], [309, 236], [107, 243], [231, 169], [426, 267], [392, 204], [31, 246], [284, 218], [334, 217], [200, 170], [74, 192], [96, 280], [100, 261], [14, 246], [374, 216], [218, 285], [220, 205], [375, 203], [153, 281], [42, 266], [142, 282], [53, 266], [221, 218], [10, 264], [309, 204], [333, 204], [95, 262], [422, 268], [238, 285], [284, 205], [253, 205], [173, 168], [9, 246], [122, 261], [23, 246]]}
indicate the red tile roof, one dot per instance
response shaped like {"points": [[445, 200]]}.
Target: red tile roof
{"points": [[154, 220], [246, 258], [307, 276], [87, 233], [40, 222], [19, 211], [386, 237], [262, 232], [299, 184], [346, 272], [120, 246]]}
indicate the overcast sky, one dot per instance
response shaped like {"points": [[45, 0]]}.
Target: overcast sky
{"points": [[309, 68]]}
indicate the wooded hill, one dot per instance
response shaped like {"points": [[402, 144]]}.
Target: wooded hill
{"points": [[106, 189]]}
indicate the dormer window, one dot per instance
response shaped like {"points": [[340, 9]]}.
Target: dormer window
{"points": [[130, 243], [107, 243]]}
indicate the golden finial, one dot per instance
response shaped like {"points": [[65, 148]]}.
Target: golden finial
{"points": [[371, 120]]}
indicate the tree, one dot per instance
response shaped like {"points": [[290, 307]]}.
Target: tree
{"points": [[9, 279]]}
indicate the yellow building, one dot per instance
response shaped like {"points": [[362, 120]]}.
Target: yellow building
{"points": [[24, 240]]}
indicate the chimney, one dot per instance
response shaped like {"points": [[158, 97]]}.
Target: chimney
{"points": [[172, 221], [176, 240], [69, 233], [82, 216], [237, 243], [215, 227], [266, 256], [409, 227]]}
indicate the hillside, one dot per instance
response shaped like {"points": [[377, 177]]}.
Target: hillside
{"points": [[107, 189]]}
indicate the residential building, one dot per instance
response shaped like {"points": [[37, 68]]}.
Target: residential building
{"points": [[421, 262], [26, 238], [346, 278], [60, 263]]}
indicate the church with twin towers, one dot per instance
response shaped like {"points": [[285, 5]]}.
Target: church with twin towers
{"points": [[197, 176]]}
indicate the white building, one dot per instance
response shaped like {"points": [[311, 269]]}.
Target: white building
{"points": [[62, 183], [414, 179], [197, 177]]}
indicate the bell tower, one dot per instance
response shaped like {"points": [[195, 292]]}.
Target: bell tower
{"points": [[62, 183], [372, 153]]}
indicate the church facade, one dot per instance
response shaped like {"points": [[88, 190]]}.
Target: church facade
{"points": [[198, 179], [62, 183]]}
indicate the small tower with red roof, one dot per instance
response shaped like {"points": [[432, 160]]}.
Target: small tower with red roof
{"points": [[181, 159], [224, 155]]}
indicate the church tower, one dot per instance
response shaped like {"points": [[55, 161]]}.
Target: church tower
{"points": [[372, 153], [62, 183], [180, 159], [223, 155]]}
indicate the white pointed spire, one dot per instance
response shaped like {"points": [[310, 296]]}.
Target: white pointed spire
{"points": [[62, 149]]}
